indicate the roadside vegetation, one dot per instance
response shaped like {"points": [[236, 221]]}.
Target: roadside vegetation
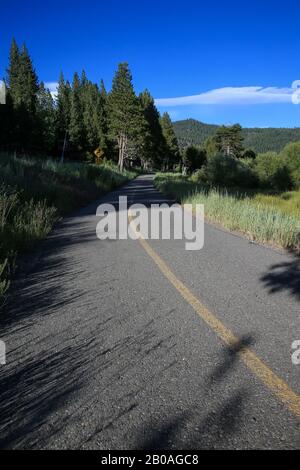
{"points": [[263, 218], [258, 195], [34, 193], [61, 150]]}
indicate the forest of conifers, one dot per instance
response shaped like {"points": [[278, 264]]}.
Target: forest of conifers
{"points": [[125, 127], [193, 132]]}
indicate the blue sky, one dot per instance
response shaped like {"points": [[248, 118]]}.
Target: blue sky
{"points": [[239, 58]]}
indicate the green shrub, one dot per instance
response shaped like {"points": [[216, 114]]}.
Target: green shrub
{"points": [[291, 156], [199, 176], [175, 185], [193, 158], [273, 172], [248, 153], [32, 221], [228, 171]]}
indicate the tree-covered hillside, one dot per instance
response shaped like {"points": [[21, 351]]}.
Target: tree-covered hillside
{"points": [[192, 132]]}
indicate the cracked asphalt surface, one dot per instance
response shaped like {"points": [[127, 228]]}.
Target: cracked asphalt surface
{"points": [[104, 353]]}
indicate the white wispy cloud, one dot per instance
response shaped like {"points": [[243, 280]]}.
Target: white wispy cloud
{"points": [[232, 95], [52, 86]]}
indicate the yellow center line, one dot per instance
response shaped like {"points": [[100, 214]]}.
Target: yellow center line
{"points": [[280, 388]]}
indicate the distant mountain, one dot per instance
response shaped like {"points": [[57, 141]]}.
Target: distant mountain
{"points": [[193, 132]]}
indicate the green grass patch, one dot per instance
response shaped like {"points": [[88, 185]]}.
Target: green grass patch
{"points": [[265, 218], [287, 202]]}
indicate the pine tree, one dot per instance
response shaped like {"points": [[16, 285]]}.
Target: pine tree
{"points": [[90, 103], [91, 115], [46, 119], [104, 143], [76, 126], [63, 110], [29, 82], [124, 113], [83, 80], [23, 90], [154, 139], [229, 140], [13, 77], [171, 152]]}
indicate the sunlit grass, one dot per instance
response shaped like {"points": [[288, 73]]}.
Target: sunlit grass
{"points": [[288, 202], [264, 218]]}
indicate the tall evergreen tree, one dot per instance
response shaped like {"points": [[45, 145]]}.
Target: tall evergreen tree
{"points": [[76, 126], [83, 80], [124, 112], [171, 152], [155, 142], [92, 103], [63, 110], [13, 74], [23, 90], [229, 140], [104, 143], [29, 82], [46, 119]]}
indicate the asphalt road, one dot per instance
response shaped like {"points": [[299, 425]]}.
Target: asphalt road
{"points": [[106, 350]]}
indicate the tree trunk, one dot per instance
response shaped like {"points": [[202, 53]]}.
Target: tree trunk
{"points": [[122, 143], [120, 151]]}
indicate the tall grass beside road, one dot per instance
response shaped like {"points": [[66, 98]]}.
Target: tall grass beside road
{"points": [[35, 193], [263, 218]]}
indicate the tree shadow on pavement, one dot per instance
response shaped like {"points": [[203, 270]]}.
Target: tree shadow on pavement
{"points": [[46, 280], [37, 287], [68, 393], [35, 389], [191, 431], [284, 277], [230, 357]]}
